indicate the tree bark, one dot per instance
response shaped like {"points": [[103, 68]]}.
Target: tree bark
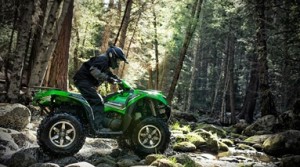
{"points": [[19, 54], [194, 87], [123, 31], [251, 93], [108, 27], [121, 70], [231, 78], [223, 114], [37, 38], [8, 58], [188, 36], [48, 44], [150, 83], [58, 75], [266, 97], [124, 24], [155, 46], [77, 43]]}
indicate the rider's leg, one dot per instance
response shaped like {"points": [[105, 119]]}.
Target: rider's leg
{"points": [[89, 92]]}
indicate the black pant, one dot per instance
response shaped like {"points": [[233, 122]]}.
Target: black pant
{"points": [[89, 92]]}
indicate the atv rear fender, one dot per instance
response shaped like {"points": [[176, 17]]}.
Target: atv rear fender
{"points": [[53, 98]]}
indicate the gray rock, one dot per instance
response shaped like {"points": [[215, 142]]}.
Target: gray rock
{"points": [[24, 158], [213, 129], [289, 120], [185, 147], [80, 164], [44, 165], [12, 141], [264, 125], [290, 161], [196, 139], [65, 161], [126, 163], [14, 116], [153, 157], [287, 142], [184, 159], [164, 163]]}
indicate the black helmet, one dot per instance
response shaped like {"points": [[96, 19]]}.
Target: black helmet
{"points": [[114, 54]]}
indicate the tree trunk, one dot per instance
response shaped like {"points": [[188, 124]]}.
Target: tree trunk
{"points": [[156, 47], [266, 97], [188, 36], [76, 63], [150, 83], [228, 98], [124, 24], [223, 114], [231, 78], [37, 38], [123, 31], [251, 93], [121, 70], [108, 27], [215, 94], [8, 58], [215, 82], [58, 73], [48, 44], [194, 87], [19, 54]]}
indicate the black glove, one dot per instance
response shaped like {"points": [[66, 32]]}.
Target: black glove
{"points": [[112, 80]]}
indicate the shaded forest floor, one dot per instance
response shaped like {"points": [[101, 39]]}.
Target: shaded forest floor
{"points": [[195, 141]]}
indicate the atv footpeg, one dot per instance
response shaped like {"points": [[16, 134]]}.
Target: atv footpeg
{"points": [[106, 134]]}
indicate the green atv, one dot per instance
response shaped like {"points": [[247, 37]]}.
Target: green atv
{"points": [[142, 117]]}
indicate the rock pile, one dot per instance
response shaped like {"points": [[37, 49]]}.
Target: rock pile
{"points": [[193, 144]]}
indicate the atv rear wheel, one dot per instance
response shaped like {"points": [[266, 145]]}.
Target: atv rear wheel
{"points": [[151, 135], [61, 134]]}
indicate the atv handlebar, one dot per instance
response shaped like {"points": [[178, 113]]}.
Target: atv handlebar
{"points": [[123, 84]]}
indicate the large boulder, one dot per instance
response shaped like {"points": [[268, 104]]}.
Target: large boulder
{"points": [[263, 125], [80, 164], [289, 120], [287, 142], [14, 116], [12, 141], [25, 158], [184, 146], [213, 129], [290, 161]]}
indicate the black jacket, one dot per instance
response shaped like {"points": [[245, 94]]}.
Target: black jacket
{"points": [[101, 62]]}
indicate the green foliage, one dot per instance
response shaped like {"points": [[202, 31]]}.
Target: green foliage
{"points": [[178, 126], [173, 161]]}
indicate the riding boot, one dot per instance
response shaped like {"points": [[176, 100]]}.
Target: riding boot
{"points": [[99, 121]]}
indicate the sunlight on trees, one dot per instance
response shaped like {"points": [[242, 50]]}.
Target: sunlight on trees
{"points": [[219, 72]]}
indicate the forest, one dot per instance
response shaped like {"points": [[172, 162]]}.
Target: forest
{"points": [[231, 59]]}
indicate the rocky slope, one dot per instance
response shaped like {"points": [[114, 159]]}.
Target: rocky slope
{"points": [[194, 143]]}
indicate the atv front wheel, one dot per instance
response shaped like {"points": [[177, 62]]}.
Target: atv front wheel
{"points": [[61, 134], [151, 135]]}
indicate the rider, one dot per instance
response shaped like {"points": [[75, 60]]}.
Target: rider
{"points": [[92, 74]]}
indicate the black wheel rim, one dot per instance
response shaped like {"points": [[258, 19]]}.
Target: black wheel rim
{"points": [[149, 136], [62, 134]]}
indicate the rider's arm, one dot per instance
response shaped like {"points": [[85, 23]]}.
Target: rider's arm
{"points": [[96, 73], [100, 71]]}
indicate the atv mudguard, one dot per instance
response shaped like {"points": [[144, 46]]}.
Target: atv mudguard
{"points": [[132, 101], [55, 97]]}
